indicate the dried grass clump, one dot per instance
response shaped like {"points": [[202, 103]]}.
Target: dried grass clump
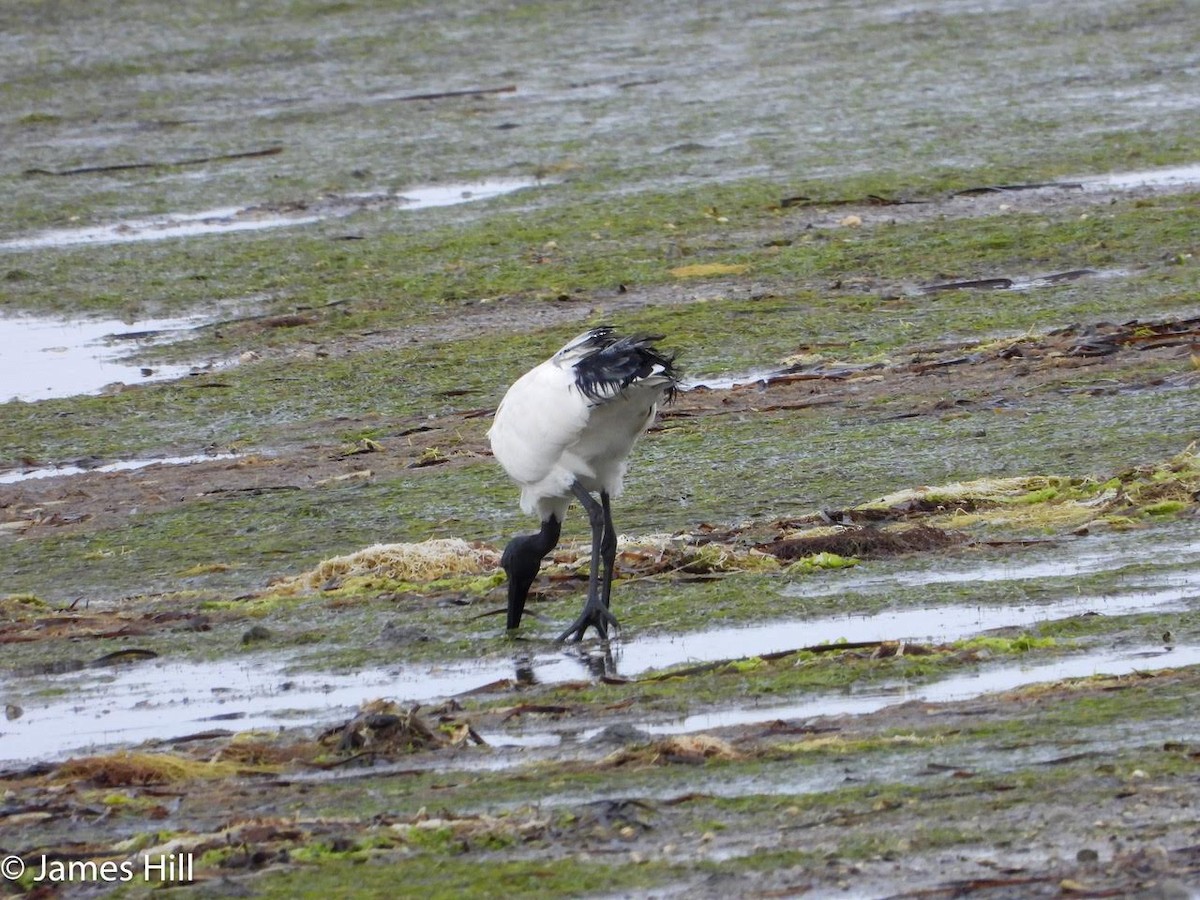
{"points": [[247, 750], [656, 554], [423, 561], [716, 557], [386, 728], [1176, 480], [962, 495], [502, 830], [686, 748], [130, 769], [15, 607]]}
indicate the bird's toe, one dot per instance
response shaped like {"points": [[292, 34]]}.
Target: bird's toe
{"points": [[592, 617]]}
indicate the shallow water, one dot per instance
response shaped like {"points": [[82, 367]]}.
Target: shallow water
{"points": [[451, 194], [816, 776], [226, 220], [46, 357], [726, 382], [163, 699], [157, 228], [1095, 555], [963, 686], [1173, 176], [42, 357], [126, 465]]}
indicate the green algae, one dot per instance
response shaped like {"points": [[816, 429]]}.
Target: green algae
{"points": [[622, 211], [436, 877], [819, 561], [1020, 644], [251, 403]]}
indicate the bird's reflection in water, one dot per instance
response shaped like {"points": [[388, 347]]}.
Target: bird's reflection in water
{"points": [[598, 662], [525, 676]]}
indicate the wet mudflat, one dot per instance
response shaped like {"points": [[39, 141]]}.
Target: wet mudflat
{"points": [[908, 575]]}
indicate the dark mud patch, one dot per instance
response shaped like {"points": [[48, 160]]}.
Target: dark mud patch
{"points": [[385, 730], [863, 541]]}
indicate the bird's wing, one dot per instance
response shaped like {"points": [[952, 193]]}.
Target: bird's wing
{"points": [[540, 416], [604, 364]]}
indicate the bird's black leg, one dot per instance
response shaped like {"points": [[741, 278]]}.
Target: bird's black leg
{"points": [[595, 610], [521, 560], [608, 549]]}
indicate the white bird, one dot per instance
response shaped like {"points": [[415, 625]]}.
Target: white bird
{"points": [[564, 430]]}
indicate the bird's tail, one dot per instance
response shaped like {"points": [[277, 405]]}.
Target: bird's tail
{"points": [[607, 363]]}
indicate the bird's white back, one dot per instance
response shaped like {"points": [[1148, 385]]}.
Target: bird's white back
{"points": [[547, 435]]}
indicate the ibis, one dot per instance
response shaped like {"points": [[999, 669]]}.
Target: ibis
{"points": [[563, 432]]}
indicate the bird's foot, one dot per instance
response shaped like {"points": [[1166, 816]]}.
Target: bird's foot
{"points": [[594, 615]]}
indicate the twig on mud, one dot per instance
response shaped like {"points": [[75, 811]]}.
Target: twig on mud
{"points": [[676, 570], [252, 491], [119, 657], [124, 167], [445, 95], [210, 735], [869, 200], [824, 648], [1003, 284], [372, 755], [688, 672], [961, 888], [538, 708], [690, 797], [1005, 188], [802, 404], [979, 284]]}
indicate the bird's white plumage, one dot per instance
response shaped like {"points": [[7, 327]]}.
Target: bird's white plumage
{"points": [[547, 434]]}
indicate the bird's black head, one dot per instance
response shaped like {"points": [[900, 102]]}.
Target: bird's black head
{"points": [[521, 560]]}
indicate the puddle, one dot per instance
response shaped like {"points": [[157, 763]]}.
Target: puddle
{"points": [[163, 699], [816, 776], [1174, 176], [956, 687], [1018, 283], [1042, 281], [42, 358], [728, 382], [224, 220], [448, 195], [1101, 555], [934, 625], [156, 228], [46, 357], [122, 466]]}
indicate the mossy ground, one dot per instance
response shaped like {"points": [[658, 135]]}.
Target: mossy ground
{"points": [[369, 348]]}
